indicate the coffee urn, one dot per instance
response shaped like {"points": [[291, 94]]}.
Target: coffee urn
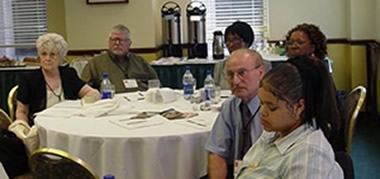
{"points": [[218, 45], [171, 29], [196, 30]]}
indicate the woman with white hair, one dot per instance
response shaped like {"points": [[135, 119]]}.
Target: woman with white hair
{"points": [[38, 90], [51, 83]]}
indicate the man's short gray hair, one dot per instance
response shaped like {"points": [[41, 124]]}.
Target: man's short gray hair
{"points": [[52, 41], [121, 28]]}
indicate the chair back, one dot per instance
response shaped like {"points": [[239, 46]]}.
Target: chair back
{"points": [[12, 102], [345, 162], [349, 112], [5, 120], [79, 63], [54, 163]]}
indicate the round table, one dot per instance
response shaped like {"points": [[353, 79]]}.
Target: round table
{"points": [[173, 149]]}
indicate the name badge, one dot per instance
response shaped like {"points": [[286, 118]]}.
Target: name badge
{"points": [[130, 83], [237, 165]]}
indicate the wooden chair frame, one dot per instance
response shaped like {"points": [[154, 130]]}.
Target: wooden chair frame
{"points": [[354, 115], [11, 104], [59, 154]]}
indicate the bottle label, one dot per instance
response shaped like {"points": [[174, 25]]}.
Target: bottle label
{"points": [[188, 89], [207, 95], [106, 95]]}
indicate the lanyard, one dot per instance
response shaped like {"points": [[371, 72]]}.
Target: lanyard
{"points": [[250, 119]]}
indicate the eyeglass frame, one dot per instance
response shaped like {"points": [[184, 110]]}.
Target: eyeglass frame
{"points": [[240, 73], [121, 41], [236, 40]]}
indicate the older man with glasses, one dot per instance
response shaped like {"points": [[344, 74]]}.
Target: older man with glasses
{"points": [[238, 124], [127, 71]]}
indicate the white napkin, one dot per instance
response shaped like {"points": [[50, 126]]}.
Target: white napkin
{"points": [[99, 108], [160, 95]]}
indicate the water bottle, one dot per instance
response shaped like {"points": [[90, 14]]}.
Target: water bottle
{"points": [[188, 82], [108, 176], [106, 88], [209, 90]]}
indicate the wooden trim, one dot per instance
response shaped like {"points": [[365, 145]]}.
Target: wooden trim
{"points": [[91, 2], [361, 42], [98, 51], [157, 49], [337, 41], [341, 41]]}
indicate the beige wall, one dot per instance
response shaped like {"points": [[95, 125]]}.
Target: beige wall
{"points": [[56, 21], [363, 19], [350, 19], [330, 15], [88, 26]]}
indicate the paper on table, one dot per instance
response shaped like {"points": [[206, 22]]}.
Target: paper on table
{"points": [[129, 123]]}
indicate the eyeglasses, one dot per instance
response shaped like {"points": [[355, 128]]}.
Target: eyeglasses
{"points": [[241, 73], [114, 40], [235, 40], [297, 42]]}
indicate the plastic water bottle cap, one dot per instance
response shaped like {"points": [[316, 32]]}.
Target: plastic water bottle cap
{"points": [[105, 75], [109, 176], [187, 67]]}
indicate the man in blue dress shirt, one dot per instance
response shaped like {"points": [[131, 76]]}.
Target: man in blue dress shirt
{"points": [[237, 126]]}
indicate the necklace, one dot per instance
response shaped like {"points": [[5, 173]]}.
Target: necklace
{"points": [[55, 94]]}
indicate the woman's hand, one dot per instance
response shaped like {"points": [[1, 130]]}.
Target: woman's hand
{"points": [[88, 91]]}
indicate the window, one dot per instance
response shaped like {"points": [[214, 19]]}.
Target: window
{"points": [[222, 13], [21, 22]]}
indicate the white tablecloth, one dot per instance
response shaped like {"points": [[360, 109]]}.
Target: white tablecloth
{"points": [[3, 174], [174, 149]]}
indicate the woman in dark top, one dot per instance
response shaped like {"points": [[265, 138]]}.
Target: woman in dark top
{"points": [[39, 90], [306, 39], [237, 35], [51, 83]]}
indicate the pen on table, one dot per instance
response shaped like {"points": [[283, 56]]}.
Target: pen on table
{"points": [[125, 97], [136, 122], [196, 123]]}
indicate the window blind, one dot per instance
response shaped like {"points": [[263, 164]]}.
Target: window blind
{"points": [[21, 23], [222, 13]]}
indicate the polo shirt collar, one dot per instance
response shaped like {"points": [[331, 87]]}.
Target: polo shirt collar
{"points": [[289, 140]]}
